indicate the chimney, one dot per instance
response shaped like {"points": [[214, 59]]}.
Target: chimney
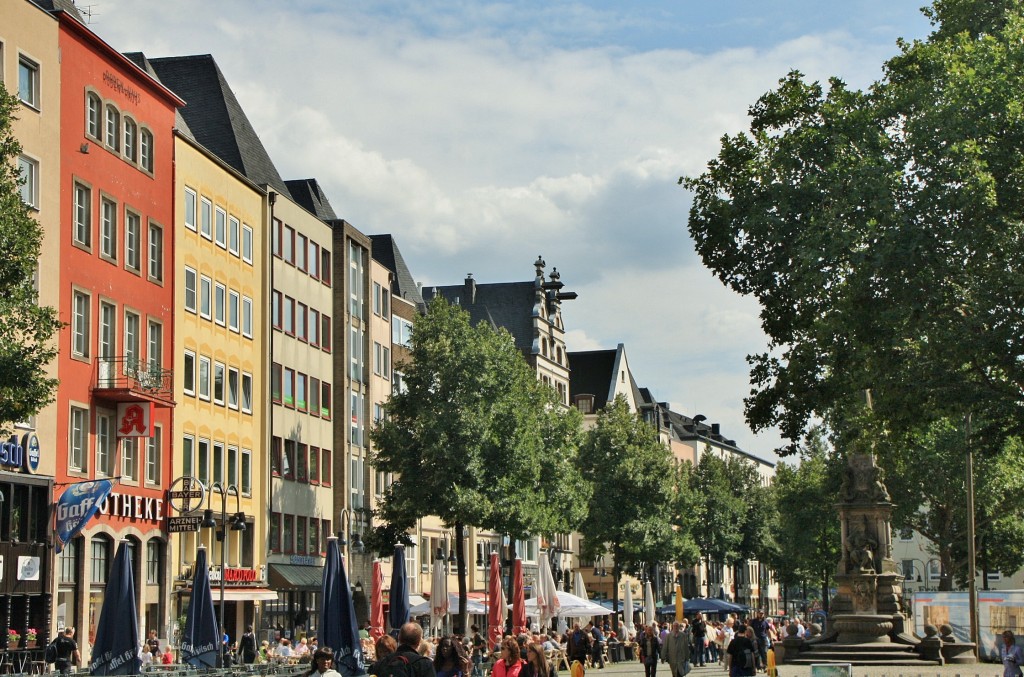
{"points": [[470, 286], [716, 429]]}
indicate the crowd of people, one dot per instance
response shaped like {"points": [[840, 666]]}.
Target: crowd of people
{"points": [[739, 646]]}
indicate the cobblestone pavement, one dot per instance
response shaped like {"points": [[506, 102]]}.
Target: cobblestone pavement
{"points": [[636, 669]]}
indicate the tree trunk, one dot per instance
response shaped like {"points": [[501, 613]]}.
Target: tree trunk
{"points": [[825, 601], [460, 558], [785, 599], [945, 570], [615, 596]]}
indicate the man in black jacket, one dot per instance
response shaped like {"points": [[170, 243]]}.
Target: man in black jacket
{"points": [[699, 630], [407, 660]]}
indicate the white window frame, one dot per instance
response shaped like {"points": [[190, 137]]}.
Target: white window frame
{"points": [[154, 344], [190, 207], [189, 373], [204, 379], [220, 227], [146, 149], [205, 297], [233, 234], [130, 138], [203, 469], [188, 455], [106, 442], [233, 310], [206, 218], [82, 215], [191, 281], [29, 92], [156, 252], [245, 472], [78, 437], [130, 458], [153, 446], [93, 115], [246, 317], [233, 393], [108, 228], [245, 394], [247, 243], [80, 322], [112, 127], [28, 170], [106, 347], [132, 241], [218, 367], [132, 345]]}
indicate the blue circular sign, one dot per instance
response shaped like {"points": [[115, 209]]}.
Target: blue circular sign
{"points": [[31, 445]]}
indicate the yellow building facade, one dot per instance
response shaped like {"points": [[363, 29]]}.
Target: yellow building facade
{"points": [[221, 387]]}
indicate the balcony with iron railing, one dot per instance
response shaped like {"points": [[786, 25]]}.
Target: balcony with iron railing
{"points": [[126, 379]]}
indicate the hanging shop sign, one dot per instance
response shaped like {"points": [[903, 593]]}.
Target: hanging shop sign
{"points": [[134, 419], [20, 454]]}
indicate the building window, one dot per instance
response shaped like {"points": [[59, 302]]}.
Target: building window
{"points": [[113, 120], [220, 227], [275, 456], [132, 241], [206, 218], [301, 245], [301, 544], [325, 332], [153, 562], [83, 215], [204, 461], [288, 315], [401, 331], [233, 226], [80, 324], [287, 534], [300, 391], [325, 399], [108, 229], [68, 561], [188, 367], [275, 532], [246, 317], [156, 253], [28, 169], [130, 458], [275, 383], [288, 385], [218, 462], [108, 332], [314, 396], [100, 549], [28, 81], [313, 259], [247, 393], [204, 378], [190, 289], [325, 266], [233, 310], [155, 347], [288, 245], [131, 132], [233, 465], [275, 309], [288, 461], [246, 479], [188, 444], [190, 209], [92, 115], [219, 302], [132, 341], [314, 465], [78, 431], [146, 150], [106, 441], [233, 388], [218, 383], [205, 288], [326, 467], [313, 330], [246, 243]]}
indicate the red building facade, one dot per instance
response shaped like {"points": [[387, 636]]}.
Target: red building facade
{"points": [[117, 296]]}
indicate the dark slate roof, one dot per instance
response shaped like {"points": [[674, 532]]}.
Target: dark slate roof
{"points": [[387, 253], [140, 60], [308, 194], [215, 117], [591, 372], [58, 5], [503, 304]]}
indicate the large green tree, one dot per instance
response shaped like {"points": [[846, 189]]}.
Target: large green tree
{"points": [[720, 512], [475, 439], [881, 232], [808, 537], [27, 329], [630, 509], [925, 475]]}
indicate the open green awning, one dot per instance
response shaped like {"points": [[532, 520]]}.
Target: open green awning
{"points": [[296, 577]]}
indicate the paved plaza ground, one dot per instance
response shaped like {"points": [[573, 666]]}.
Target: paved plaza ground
{"points": [[635, 669]]}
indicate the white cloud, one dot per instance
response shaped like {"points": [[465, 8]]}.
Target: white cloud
{"points": [[483, 136]]}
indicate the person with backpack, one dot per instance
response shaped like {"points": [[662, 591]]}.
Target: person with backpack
{"points": [[65, 653], [247, 646], [406, 661], [509, 663], [742, 661]]}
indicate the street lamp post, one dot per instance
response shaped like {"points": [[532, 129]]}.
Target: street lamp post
{"points": [[344, 533], [237, 524]]}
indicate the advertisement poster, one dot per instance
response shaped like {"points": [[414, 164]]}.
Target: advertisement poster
{"points": [[997, 611]]}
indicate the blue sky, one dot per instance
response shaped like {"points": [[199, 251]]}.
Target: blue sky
{"points": [[483, 134]]}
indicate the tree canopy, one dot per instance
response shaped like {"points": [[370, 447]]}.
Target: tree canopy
{"points": [[27, 329], [475, 439], [881, 232]]}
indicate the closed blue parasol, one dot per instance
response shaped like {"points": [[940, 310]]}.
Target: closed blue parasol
{"points": [[200, 640], [116, 649], [398, 613], [338, 615]]}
